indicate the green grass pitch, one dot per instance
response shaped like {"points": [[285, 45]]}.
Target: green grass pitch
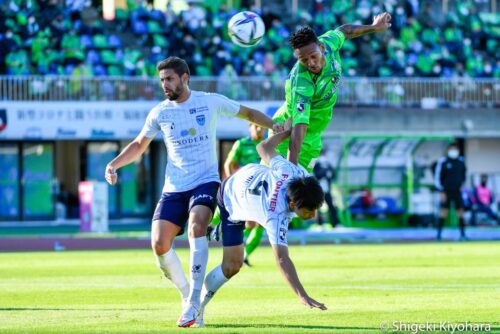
{"points": [[362, 285]]}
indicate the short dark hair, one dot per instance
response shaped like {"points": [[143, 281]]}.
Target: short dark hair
{"points": [[305, 192], [177, 64], [302, 37]]}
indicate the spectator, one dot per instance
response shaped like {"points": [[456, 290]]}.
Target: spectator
{"points": [[325, 174], [449, 177], [482, 199]]}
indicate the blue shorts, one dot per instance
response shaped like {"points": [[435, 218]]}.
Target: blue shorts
{"points": [[232, 232], [175, 207]]}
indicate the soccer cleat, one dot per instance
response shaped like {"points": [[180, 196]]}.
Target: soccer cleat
{"points": [[199, 319], [188, 317], [246, 262]]}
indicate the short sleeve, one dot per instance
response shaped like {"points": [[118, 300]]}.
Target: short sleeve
{"points": [[151, 126], [235, 153], [277, 229], [225, 106], [280, 165], [334, 39], [302, 91]]}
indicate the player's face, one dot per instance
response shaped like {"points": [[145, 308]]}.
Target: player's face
{"points": [[256, 132], [305, 213], [172, 84], [311, 56]]}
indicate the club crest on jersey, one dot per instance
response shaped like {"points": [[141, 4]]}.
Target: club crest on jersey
{"points": [[300, 106], [200, 119]]}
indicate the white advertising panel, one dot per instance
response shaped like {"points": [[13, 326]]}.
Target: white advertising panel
{"points": [[97, 120]]}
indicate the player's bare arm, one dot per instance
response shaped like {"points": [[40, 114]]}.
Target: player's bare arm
{"points": [[267, 148], [230, 166], [381, 22], [130, 153], [288, 271], [256, 117], [296, 139]]}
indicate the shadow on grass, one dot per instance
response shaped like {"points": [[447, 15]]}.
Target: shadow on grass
{"points": [[291, 326]]}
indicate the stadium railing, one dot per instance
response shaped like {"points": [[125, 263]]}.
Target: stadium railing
{"points": [[353, 92]]}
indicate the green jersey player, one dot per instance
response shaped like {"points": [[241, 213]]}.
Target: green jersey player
{"points": [[244, 150], [311, 88]]}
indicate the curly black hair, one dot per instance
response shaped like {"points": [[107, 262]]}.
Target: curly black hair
{"points": [[302, 37]]}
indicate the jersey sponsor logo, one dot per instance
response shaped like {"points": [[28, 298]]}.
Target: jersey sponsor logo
{"points": [[197, 110], [189, 141], [200, 119], [190, 131], [274, 197], [203, 197]]}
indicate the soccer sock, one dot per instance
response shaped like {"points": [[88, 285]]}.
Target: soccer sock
{"points": [[214, 280], [246, 233], [216, 217], [440, 227], [171, 267], [253, 240], [198, 262], [461, 224]]}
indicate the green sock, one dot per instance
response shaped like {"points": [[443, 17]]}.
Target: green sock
{"points": [[246, 233], [216, 217], [253, 240]]}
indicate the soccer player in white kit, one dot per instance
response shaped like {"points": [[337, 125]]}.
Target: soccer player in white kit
{"points": [[269, 195], [187, 120]]}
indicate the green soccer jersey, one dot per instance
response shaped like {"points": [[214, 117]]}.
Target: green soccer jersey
{"points": [[310, 98], [244, 151]]}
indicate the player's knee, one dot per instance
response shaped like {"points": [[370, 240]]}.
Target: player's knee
{"points": [[231, 268], [159, 247], [197, 229]]}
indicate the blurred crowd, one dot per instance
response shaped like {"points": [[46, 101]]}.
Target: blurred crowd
{"points": [[70, 37]]}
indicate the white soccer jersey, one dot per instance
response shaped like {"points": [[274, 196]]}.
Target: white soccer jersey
{"points": [[189, 133], [258, 193]]}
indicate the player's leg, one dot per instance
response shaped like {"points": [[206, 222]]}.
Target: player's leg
{"points": [[163, 233], [332, 210], [168, 221], [459, 207], [200, 214], [443, 213], [232, 259], [253, 241]]}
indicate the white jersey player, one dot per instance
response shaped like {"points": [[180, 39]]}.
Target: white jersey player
{"points": [[187, 121], [269, 195]]}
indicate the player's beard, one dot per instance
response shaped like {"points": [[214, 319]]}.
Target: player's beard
{"points": [[174, 95]]}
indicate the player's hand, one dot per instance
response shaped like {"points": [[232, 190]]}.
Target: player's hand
{"points": [[382, 21], [278, 127], [308, 301], [110, 175]]}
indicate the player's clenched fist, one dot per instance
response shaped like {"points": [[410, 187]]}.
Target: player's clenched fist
{"points": [[110, 175], [382, 21], [278, 127]]}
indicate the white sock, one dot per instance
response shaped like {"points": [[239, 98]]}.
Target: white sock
{"points": [[198, 264], [214, 280], [171, 267]]}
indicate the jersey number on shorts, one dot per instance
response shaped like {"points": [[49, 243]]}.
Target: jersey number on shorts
{"points": [[256, 191]]}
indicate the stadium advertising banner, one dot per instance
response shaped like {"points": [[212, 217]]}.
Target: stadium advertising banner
{"points": [[96, 120]]}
